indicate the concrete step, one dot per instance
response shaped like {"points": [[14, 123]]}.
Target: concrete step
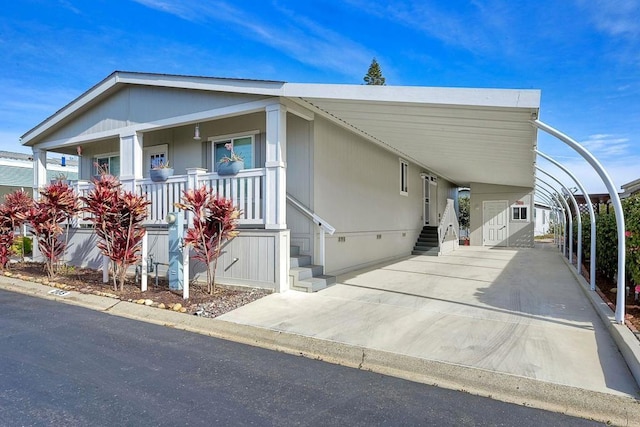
{"points": [[433, 239], [300, 260], [314, 284], [423, 247], [302, 273], [430, 252]]}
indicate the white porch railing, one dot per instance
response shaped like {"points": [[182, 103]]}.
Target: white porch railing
{"points": [[324, 226], [448, 223], [246, 190]]}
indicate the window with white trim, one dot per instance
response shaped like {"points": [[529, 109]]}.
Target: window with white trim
{"points": [[519, 213], [110, 163], [242, 146], [155, 155], [404, 177]]}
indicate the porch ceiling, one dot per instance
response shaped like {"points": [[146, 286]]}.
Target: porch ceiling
{"points": [[463, 135]]}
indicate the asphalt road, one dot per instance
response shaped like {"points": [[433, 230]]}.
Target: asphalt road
{"points": [[62, 365]]}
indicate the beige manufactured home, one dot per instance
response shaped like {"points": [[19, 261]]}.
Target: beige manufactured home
{"points": [[335, 178]]}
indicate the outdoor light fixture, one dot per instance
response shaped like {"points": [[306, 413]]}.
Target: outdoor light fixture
{"points": [[196, 135]]}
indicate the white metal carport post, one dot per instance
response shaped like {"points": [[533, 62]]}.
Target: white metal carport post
{"points": [[578, 218], [617, 206], [560, 210], [552, 208], [568, 211], [592, 219]]}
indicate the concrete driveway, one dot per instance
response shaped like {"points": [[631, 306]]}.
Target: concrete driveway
{"points": [[510, 311]]}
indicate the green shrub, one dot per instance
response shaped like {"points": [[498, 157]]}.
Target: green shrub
{"points": [[21, 243]]}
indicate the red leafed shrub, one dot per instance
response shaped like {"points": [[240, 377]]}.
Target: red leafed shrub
{"points": [[6, 236], [58, 203], [117, 216], [214, 225], [16, 206]]}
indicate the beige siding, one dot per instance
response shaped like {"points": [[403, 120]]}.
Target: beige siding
{"points": [[300, 182], [184, 152], [357, 190], [520, 233], [134, 105]]}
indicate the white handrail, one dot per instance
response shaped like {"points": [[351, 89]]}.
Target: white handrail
{"points": [[448, 221], [325, 227], [316, 219]]}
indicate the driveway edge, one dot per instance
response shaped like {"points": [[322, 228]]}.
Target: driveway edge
{"points": [[624, 338]]}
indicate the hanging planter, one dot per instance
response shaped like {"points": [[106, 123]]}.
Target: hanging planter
{"points": [[230, 168], [160, 174]]}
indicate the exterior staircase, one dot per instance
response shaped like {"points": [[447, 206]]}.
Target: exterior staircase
{"points": [[427, 243], [306, 277]]}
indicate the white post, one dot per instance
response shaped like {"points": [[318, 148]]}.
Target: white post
{"points": [[143, 264], [39, 171], [322, 250], [105, 268], [592, 218], [617, 206], [275, 209], [275, 164], [130, 160]]}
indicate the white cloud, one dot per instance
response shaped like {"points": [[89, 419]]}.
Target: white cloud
{"points": [[621, 170], [294, 35], [615, 17], [605, 145]]}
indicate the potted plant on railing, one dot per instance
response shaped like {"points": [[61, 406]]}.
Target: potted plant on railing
{"points": [[232, 164], [160, 172]]}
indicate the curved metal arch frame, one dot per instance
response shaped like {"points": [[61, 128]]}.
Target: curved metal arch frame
{"points": [[578, 219], [561, 212], [566, 212], [617, 207], [592, 217]]}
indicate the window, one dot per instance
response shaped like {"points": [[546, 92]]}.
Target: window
{"points": [[108, 163], [155, 155], [519, 213], [242, 146], [404, 177]]}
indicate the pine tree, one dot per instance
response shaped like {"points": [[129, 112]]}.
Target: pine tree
{"points": [[374, 75]]}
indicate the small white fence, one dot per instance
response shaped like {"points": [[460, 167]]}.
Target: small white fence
{"points": [[246, 190]]}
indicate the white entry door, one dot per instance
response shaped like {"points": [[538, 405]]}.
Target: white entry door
{"points": [[430, 196], [426, 197], [495, 225]]}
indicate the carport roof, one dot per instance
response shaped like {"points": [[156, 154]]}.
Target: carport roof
{"points": [[463, 135]]}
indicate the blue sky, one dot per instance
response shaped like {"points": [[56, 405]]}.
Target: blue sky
{"points": [[583, 54]]}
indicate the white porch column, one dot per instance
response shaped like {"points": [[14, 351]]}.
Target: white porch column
{"points": [[39, 171], [130, 160], [275, 164]]}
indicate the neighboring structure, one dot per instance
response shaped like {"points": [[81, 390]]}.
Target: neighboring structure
{"points": [[542, 216], [375, 164], [630, 188], [16, 171]]}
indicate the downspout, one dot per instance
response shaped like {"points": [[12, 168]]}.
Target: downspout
{"points": [[617, 206], [592, 218], [578, 217]]}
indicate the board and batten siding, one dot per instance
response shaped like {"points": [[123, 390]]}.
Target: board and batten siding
{"points": [[357, 190], [520, 232], [248, 260], [139, 104], [300, 182]]}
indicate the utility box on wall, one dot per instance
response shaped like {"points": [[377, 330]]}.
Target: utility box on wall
{"points": [[176, 269]]}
